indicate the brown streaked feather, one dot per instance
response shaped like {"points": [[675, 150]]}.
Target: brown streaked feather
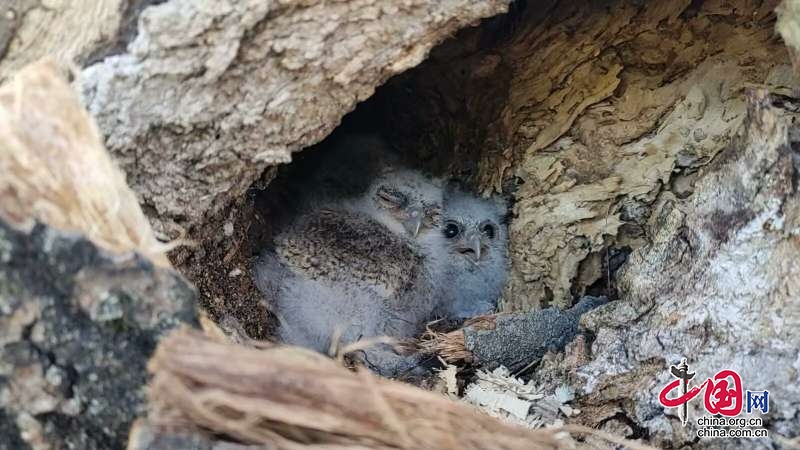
{"points": [[341, 246]]}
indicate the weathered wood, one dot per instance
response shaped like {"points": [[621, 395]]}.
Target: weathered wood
{"points": [[84, 297], [292, 398], [210, 94], [717, 284]]}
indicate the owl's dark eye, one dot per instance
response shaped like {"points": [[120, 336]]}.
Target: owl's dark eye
{"points": [[451, 230], [489, 230]]}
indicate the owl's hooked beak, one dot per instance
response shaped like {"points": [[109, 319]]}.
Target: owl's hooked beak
{"points": [[414, 221], [472, 247]]}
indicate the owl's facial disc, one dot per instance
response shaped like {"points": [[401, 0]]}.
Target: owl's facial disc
{"points": [[473, 241], [410, 204], [466, 243]]}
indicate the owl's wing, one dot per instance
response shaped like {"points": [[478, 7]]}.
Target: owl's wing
{"points": [[350, 249]]}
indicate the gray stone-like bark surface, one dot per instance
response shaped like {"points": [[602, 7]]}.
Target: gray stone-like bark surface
{"points": [[77, 326], [209, 94], [718, 284]]}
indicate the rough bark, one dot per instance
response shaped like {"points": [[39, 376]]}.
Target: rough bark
{"points": [[209, 94], [650, 94], [584, 112], [77, 326], [717, 284], [84, 297], [65, 30]]}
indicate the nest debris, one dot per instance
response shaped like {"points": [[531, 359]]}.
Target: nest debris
{"points": [[451, 346]]}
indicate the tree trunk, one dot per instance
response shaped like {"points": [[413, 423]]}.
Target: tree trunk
{"points": [[85, 289], [649, 150]]}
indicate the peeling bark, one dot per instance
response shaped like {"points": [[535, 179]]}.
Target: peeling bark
{"points": [[584, 112], [717, 284]]}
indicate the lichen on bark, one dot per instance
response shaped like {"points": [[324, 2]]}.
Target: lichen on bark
{"points": [[77, 326]]}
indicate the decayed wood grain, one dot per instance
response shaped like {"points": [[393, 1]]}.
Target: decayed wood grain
{"points": [[605, 115], [292, 398], [54, 168], [583, 112], [64, 30], [716, 284]]}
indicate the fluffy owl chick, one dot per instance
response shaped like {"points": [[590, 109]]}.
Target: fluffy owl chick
{"points": [[359, 268], [406, 202], [476, 249]]}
